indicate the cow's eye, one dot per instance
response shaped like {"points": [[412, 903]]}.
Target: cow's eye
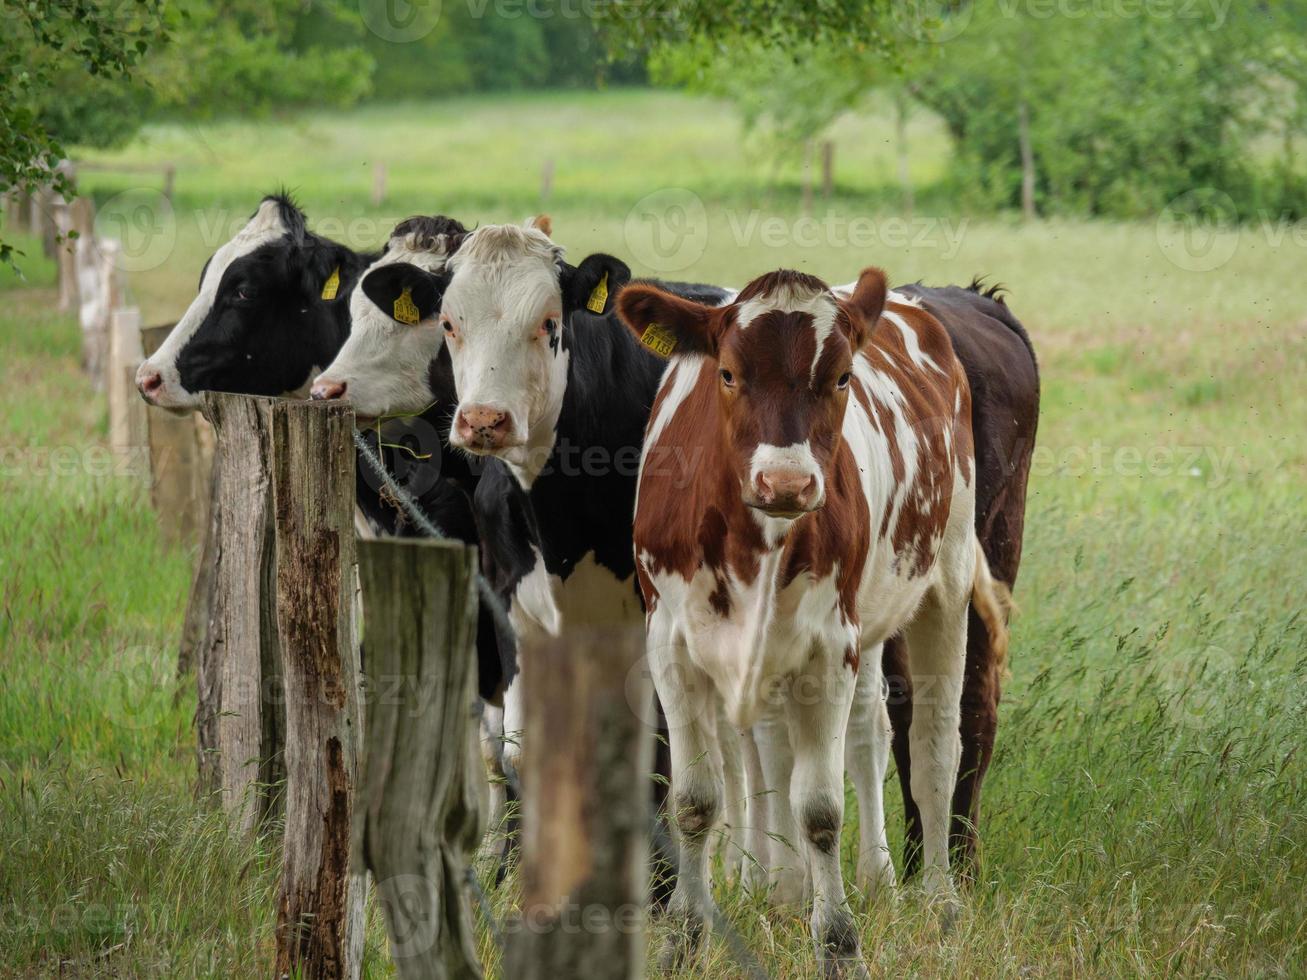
{"points": [[242, 294], [728, 379], [549, 327], [448, 325], [844, 379]]}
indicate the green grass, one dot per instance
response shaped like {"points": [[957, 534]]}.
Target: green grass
{"points": [[1146, 811]]}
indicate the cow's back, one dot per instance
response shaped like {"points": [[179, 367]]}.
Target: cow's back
{"points": [[996, 352]]}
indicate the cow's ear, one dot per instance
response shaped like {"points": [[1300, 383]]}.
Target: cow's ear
{"points": [[593, 285], [866, 305], [324, 264], [542, 223], [405, 292], [668, 324]]}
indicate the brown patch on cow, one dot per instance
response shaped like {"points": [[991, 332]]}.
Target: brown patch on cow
{"points": [[943, 436], [852, 658], [774, 395]]}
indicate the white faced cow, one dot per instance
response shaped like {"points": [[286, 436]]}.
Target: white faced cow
{"points": [[551, 386], [833, 510]]}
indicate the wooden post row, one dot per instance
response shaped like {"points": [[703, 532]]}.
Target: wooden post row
{"points": [[423, 795], [278, 669], [127, 412], [180, 451], [586, 809]]}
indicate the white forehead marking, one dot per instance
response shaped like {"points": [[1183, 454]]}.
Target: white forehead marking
{"points": [[505, 244], [502, 269], [817, 303]]}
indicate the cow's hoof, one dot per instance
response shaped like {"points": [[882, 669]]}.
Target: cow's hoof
{"points": [[681, 945], [838, 951], [947, 909], [845, 968]]}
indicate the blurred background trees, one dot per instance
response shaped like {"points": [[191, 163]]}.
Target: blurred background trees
{"points": [[1075, 107]]}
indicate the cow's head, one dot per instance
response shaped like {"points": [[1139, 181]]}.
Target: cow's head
{"points": [[507, 305], [268, 315], [784, 356], [386, 365]]}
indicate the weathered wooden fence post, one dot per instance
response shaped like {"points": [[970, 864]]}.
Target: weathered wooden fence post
{"points": [[586, 810], [320, 908], [128, 420], [238, 720], [422, 795], [180, 469]]}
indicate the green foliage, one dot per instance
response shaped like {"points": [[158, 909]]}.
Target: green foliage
{"points": [[480, 46], [251, 56], [855, 25], [1127, 113], [49, 40], [1146, 810]]}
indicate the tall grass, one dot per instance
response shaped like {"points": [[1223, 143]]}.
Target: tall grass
{"points": [[1146, 810]]}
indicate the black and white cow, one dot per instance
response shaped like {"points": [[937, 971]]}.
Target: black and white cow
{"points": [[274, 305], [272, 308], [551, 385]]}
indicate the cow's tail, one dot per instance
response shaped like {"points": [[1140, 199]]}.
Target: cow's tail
{"points": [[992, 601]]}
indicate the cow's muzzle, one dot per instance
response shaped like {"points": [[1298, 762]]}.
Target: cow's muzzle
{"points": [[483, 429], [785, 493]]}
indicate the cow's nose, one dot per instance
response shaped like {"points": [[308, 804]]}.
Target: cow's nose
{"points": [[148, 382], [786, 489], [483, 425], [325, 390]]}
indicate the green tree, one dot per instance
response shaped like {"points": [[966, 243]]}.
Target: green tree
{"points": [[91, 71], [48, 41]]}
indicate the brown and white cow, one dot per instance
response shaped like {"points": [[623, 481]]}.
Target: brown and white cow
{"points": [[833, 510]]}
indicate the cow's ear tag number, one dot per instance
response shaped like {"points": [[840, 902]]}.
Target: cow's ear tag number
{"points": [[332, 285], [406, 311], [659, 339], [598, 296]]}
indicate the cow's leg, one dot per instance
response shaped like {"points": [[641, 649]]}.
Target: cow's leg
{"points": [[866, 757], [696, 797], [937, 640], [757, 844], [514, 724], [492, 753], [817, 727], [899, 705], [786, 868], [734, 793], [980, 695]]}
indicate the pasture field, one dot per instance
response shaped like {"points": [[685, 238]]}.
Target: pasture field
{"points": [[1146, 810]]}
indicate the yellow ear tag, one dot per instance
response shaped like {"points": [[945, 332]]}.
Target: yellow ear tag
{"points": [[658, 339], [598, 296], [406, 311], [332, 285]]}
